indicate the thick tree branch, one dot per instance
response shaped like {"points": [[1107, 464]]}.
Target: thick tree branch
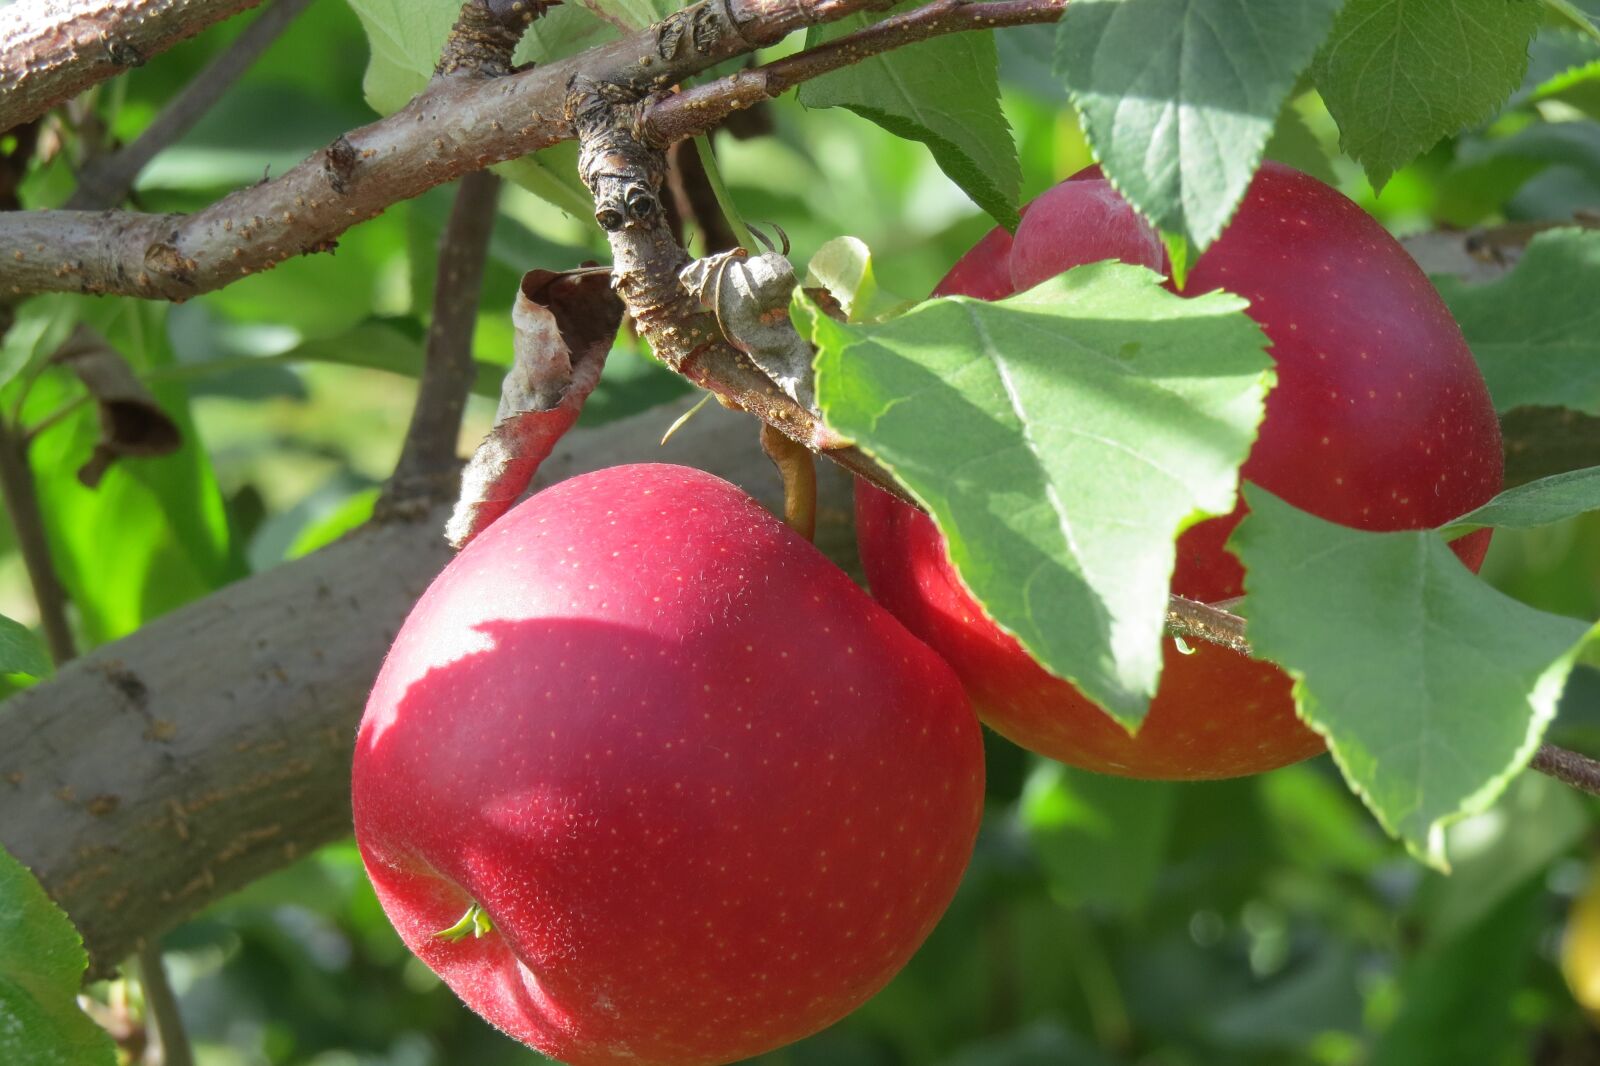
{"points": [[158, 773], [107, 180], [455, 126], [429, 451], [703, 108], [51, 50]]}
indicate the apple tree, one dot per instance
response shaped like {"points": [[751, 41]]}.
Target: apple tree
{"points": [[1201, 395]]}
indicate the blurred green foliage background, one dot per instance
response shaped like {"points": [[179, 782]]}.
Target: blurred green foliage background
{"points": [[1103, 922]]}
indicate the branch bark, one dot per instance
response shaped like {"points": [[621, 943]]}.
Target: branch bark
{"points": [[703, 108], [453, 127], [429, 451], [22, 505], [107, 180], [51, 50]]}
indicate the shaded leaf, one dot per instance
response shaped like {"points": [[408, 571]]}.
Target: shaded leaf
{"points": [[1178, 97], [1538, 503], [944, 92], [21, 651], [1536, 331], [1395, 78]]}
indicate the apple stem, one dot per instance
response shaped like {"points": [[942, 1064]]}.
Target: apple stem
{"points": [[475, 921], [798, 469]]}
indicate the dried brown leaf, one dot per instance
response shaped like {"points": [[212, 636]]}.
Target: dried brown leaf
{"points": [[565, 324]]}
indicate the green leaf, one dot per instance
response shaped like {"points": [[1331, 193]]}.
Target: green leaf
{"points": [[350, 515], [1295, 144], [1536, 331], [1573, 16], [1577, 87], [41, 967], [1061, 438], [1400, 75], [377, 344], [843, 266], [1178, 97], [565, 31], [1431, 688], [21, 652], [944, 92], [406, 37], [1101, 840], [631, 14], [1538, 503], [41, 325], [153, 535], [552, 176]]}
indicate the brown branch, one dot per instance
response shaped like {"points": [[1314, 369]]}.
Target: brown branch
{"points": [[22, 505], [453, 127], [701, 109], [428, 456], [107, 180], [53, 50], [1568, 767], [625, 176], [694, 201], [486, 34], [161, 1004]]}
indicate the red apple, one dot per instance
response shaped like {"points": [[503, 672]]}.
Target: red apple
{"points": [[709, 795], [1380, 420]]}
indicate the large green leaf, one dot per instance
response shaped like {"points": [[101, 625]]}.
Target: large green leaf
{"points": [[1538, 503], [1178, 97], [1061, 438], [944, 92], [1400, 75], [1536, 331], [1432, 688], [20, 650], [41, 966]]}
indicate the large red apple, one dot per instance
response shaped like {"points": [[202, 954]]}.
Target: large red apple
{"points": [[709, 794], [1380, 420]]}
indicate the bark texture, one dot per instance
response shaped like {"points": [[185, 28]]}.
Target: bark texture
{"points": [[51, 50]]}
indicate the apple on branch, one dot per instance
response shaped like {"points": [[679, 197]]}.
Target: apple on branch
{"points": [[1380, 420], [671, 787]]}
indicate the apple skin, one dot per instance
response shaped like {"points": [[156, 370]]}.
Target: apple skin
{"points": [[711, 795], [1380, 420]]}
